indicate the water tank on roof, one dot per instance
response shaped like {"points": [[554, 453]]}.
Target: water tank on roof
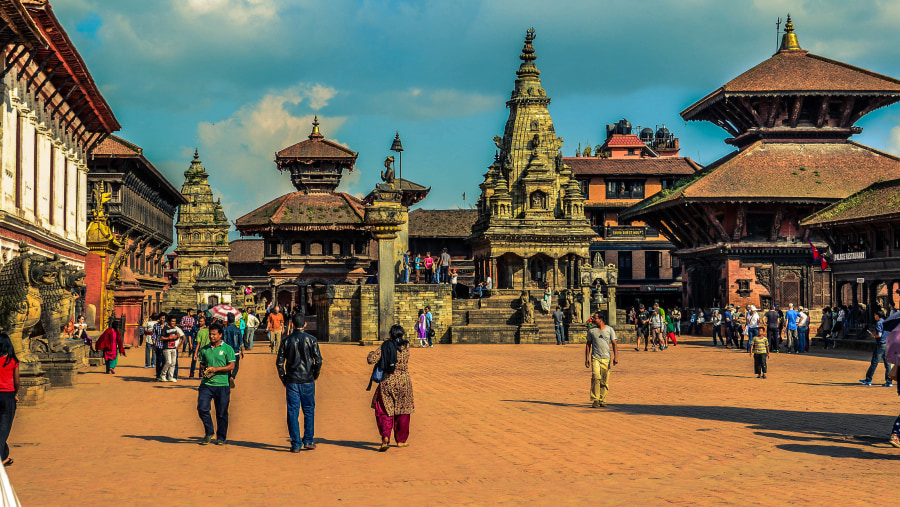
{"points": [[663, 133], [623, 127], [647, 134]]}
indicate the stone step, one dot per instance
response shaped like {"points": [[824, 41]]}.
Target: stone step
{"points": [[483, 334]]}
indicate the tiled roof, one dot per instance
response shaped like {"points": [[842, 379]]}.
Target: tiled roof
{"points": [[114, 145], [880, 200], [799, 73], [442, 223], [98, 116], [302, 211], [624, 141], [770, 172], [246, 251], [316, 148], [658, 166]]}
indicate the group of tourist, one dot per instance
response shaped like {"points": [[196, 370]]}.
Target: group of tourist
{"points": [[655, 327], [428, 268]]}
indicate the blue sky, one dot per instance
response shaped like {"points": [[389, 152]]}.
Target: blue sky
{"points": [[241, 79]]}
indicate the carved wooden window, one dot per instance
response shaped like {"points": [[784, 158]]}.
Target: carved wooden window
{"points": [[316, 248], [336, 248], [743, 287], [297, 248], [272, 247]]}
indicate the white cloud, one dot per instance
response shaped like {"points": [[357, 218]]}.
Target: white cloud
{"points": [[238, 152], [422, 104], [236, 11], [894, 141]]}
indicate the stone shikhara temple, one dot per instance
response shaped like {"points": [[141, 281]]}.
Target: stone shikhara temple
{"points": [[531, 227], [737, 224], [202, 230]]}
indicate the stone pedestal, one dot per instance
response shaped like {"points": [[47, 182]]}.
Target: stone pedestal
{"points": [[32, 384], [61, 368], [577, 333], [528, 333]]}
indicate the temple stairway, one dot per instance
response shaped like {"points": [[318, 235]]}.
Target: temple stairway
{"points": [[496, 319]]}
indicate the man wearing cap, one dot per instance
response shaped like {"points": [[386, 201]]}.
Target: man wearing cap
{"points": [[790, 323], [752, 325], [642, 326], [878, 355]]}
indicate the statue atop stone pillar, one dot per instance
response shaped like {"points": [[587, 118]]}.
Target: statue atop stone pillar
{"points": [[385, 218], [21, 280]]}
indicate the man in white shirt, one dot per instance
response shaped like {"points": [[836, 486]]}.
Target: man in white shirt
{"points": [[752, 325], [149, 352], [250, 331], [172, 336]]}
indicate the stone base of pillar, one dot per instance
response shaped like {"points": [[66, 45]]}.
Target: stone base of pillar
{"points": [[32, 384], [61, 368], [528, 333], [576, 333]]}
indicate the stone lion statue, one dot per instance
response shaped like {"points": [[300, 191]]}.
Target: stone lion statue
{"points": [[58, 307], [526, 307], [20, 298]]}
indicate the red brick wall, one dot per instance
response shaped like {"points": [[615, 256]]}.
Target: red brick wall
{"points": [[637, 265], [735, 271]]}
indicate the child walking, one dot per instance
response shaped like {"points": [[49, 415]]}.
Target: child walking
{"points": [[760, 347]]}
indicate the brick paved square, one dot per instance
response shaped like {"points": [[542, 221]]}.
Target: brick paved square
{"points": [[494, 424]]}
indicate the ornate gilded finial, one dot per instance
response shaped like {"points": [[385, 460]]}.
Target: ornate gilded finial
{"points": [[528, 51], [789, 40], [196, 154], [315, 131]]}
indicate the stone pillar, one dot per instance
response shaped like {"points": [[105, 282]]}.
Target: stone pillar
{"points": [[401, 244], [492, 270], [611, 305], [524, 273], [385, 218]]}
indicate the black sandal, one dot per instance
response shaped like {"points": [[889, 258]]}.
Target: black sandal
{"points": [[8, 462]]}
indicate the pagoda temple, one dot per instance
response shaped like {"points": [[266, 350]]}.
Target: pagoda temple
{"points": [[531, 227], [202, 232], [736, 224]]}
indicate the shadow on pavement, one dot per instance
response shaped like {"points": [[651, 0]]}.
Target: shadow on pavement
{"points": [[368, 446], [556, 404], [196, 441], [836, 451]]}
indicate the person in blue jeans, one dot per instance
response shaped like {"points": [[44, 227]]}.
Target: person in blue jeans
{"points": [[429, 319], [558, 324], [299, 363], [878, 355]]}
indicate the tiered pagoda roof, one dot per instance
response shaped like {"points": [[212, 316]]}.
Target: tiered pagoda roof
{"points": [[316, 165], [791, 117], [299, 211]]}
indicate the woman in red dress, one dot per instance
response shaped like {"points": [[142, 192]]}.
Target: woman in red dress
{"points": [[112, 344], [9, 386]]}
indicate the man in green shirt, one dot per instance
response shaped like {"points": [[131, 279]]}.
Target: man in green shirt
{"points": [[216, 363], [201, 341]]}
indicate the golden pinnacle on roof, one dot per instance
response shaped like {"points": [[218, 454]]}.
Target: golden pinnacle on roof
{"points": [[315, 131], [789, 40]]}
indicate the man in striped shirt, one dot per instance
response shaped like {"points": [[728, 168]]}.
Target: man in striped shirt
{"points": [[187, 327], [158, 344]]}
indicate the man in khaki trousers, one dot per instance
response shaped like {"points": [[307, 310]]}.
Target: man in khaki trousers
{"points": [[600, 340]]}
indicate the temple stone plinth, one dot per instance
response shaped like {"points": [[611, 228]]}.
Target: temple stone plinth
{"points": [[61, 368]]}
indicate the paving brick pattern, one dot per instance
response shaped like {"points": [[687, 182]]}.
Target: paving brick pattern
{"points": [[494, 424]]}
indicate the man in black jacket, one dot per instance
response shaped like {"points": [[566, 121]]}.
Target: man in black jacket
{"points": [[299, 363]]}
